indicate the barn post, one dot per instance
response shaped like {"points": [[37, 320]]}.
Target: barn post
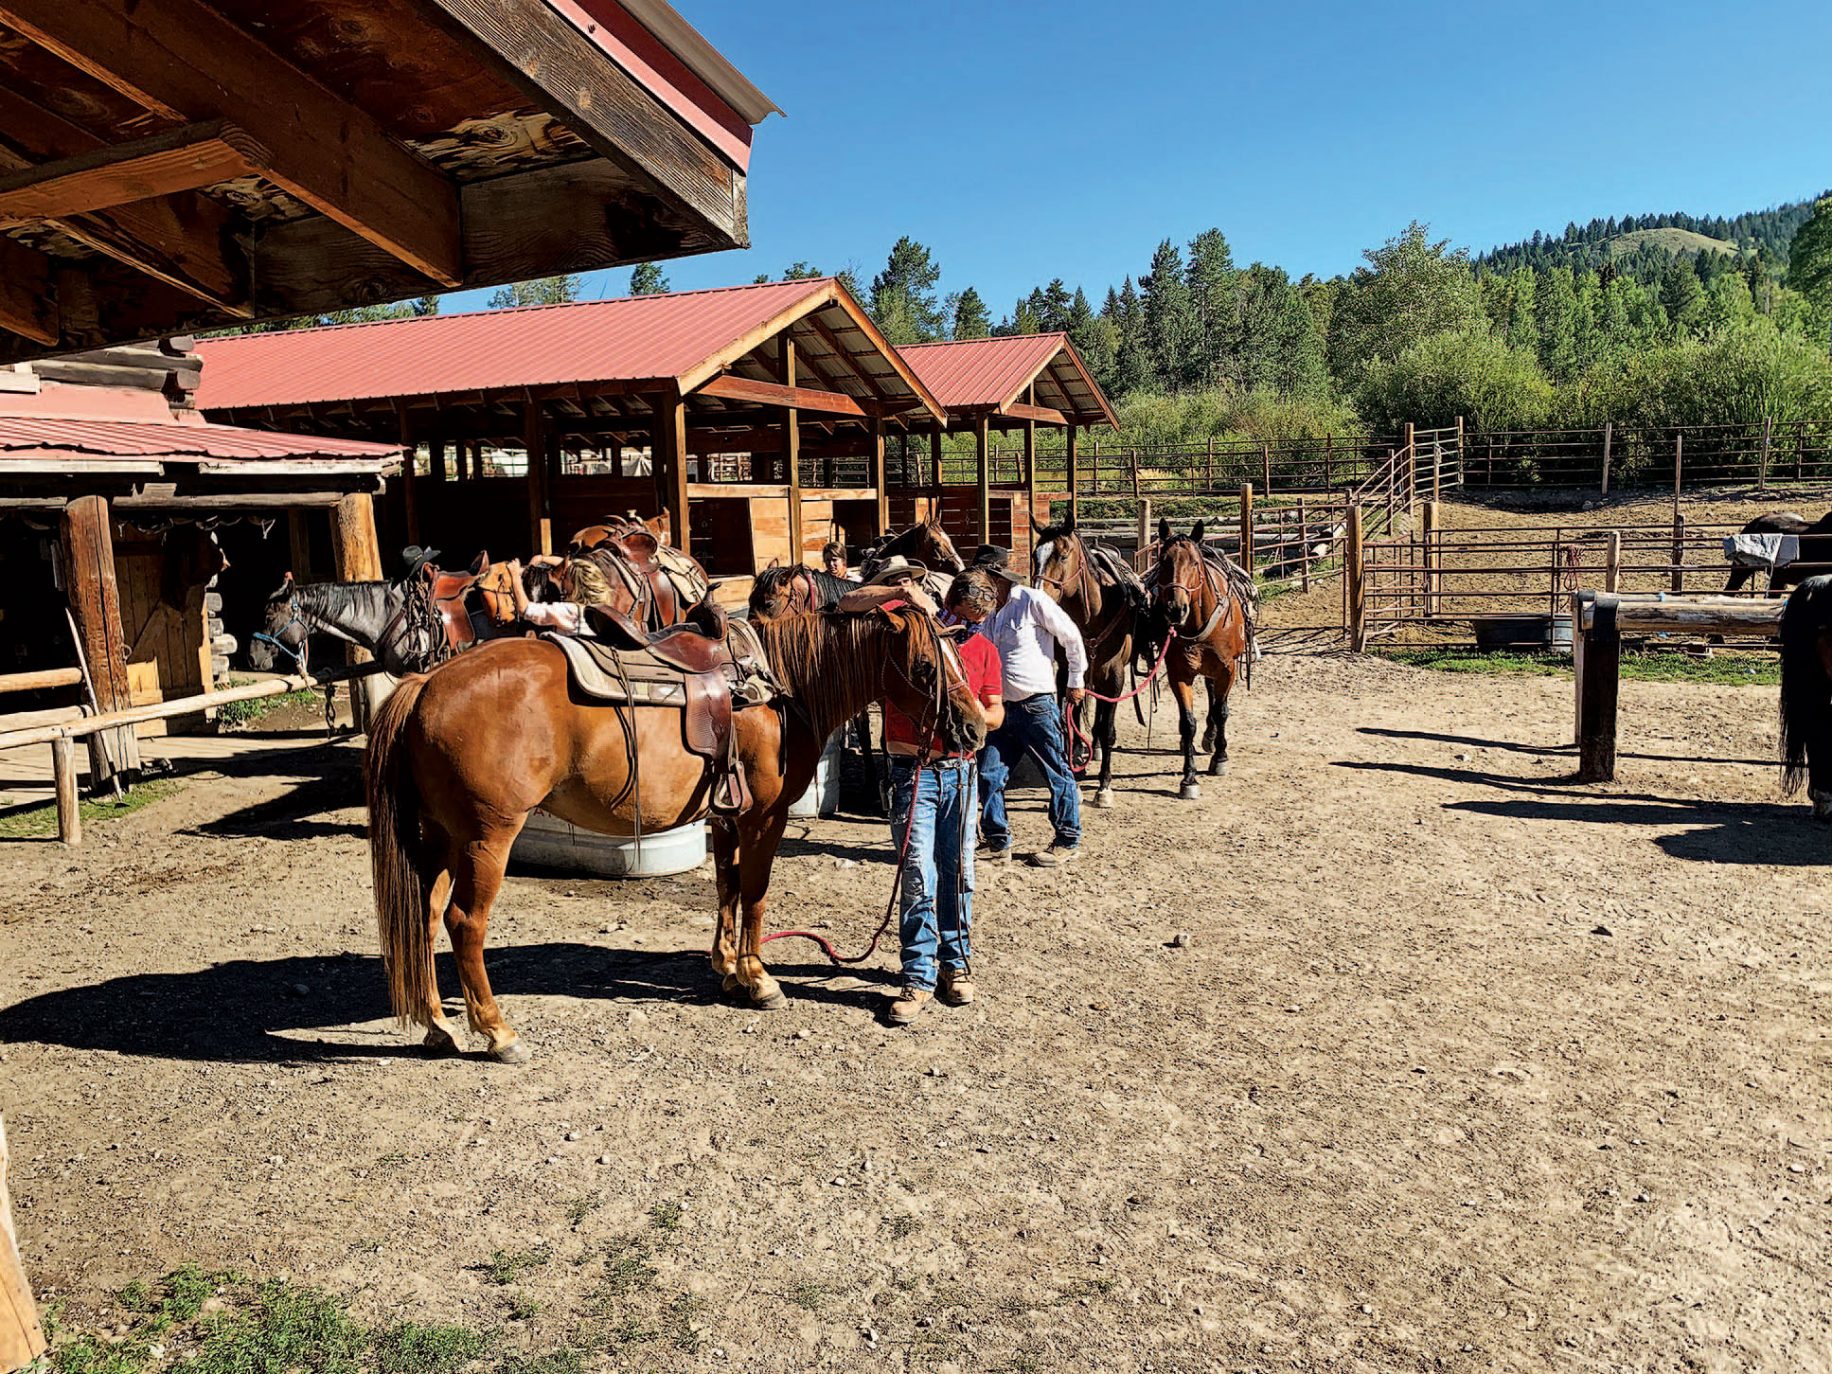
{"points": [[982, 439], [357, 557], [1596, 646], [22, 1339], [410, 504], [1030, 472], [1246, 527], [86, 537], [791, 449], [1074, 475], [880, 479], [63, 774], [534, 440], [435, 459], [1354, 580], [670, 458]]}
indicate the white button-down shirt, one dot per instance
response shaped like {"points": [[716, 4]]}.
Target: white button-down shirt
{"points": [[1026, 631]]}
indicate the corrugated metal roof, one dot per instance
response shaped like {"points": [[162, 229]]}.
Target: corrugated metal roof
{"points": [[38, 438], [969, 374], [631, 339]]}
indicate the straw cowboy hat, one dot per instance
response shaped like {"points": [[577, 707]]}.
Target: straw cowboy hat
{"points": [[895, 569], [991, 558]]}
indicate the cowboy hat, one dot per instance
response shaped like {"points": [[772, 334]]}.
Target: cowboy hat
{"points": [[893, 569], [991, 558], [415, 557]]}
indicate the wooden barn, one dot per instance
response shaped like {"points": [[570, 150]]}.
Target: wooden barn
{"points": [[752, 417], [1016, 382]]}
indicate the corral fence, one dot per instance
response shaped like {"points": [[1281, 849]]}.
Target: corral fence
{"points": [[1615, 457]]}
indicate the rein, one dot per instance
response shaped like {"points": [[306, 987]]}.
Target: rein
{"points": [[1072, 726]]}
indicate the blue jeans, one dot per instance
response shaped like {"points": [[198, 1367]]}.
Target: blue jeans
{"points": [[936, 805], [1034, 724]]}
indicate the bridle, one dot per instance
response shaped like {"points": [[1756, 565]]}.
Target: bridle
{"points": [[297, 654], [1205, 583]]}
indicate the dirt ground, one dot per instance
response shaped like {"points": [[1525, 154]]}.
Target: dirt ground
{"points": [[1462, 1066]]}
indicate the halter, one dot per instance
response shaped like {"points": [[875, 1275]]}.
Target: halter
{"points": [[1206, 583], [298, 655]]}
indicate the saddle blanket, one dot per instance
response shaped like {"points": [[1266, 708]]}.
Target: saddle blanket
{"points": [[607, 674], [1761, 550]]}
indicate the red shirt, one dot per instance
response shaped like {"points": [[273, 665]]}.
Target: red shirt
{"points": [[980, 664]]}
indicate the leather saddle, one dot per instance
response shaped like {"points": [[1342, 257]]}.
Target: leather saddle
{"points": [[458, 604], [708, 668], [662, 583]]}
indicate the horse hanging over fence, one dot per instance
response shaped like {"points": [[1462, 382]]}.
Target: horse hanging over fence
{"points": [[1206, 606], [458, 759], [1104, 597], [1806, 694], [1815, 550], [789, 589]]}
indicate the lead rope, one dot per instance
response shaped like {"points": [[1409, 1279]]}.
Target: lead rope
{"points": [[1072, 725]]}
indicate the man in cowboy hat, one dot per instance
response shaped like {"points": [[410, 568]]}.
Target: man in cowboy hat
{"points": [[1027, 629]]}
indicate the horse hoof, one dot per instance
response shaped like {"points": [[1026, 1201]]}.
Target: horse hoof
{"points": [[440, 1041], [768, 998], [1190, 791], [1104, 798], [1218, 769], [731, 983], [515, 1052]]}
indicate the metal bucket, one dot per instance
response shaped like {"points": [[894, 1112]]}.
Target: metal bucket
{"points": [[1536, 633], [553, 843], [823, 795]]}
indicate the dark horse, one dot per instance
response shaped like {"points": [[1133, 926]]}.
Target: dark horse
{"points": [[1105, 599], [1806, 694], [1197, 600], [791, 588], [395, 621], [458, 759], [1815, 550]]}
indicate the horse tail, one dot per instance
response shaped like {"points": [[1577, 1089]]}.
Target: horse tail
{"points": [[1804, 686], [394, 842]]}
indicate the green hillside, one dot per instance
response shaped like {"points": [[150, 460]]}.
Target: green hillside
{"points": [[1669, 241]]}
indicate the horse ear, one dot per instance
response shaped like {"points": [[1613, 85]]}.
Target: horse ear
{"points": [[1196, 531], [774, 562], [289, 577], [479, 563], [1163, 529]]}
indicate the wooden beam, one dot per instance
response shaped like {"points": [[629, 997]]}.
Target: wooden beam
{"points": [[982, 439], [356, 557], [549, 57], [410, 503], [876, 454], [163, 164], [180, 240], [791, 419], [27, 304], [728, 387], [184, 60], [832, 341], [1074, 460], [534, 440], [86, 537], [670, 452], [1033, 414]]}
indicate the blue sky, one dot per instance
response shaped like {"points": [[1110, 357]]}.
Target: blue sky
{"points": [[1022, 141]]}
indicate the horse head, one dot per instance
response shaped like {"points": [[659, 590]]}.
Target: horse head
{"points": [[773, 592], [283, 630], [1179, 576], [923, 678]]}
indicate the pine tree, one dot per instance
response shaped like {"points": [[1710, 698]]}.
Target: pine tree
{"points": [[800, 271], [1681, 297], [1170, 320], [1556, 309], [1092, 338], [903, 299], [1809, 260], [541, 291], [1280, 348], [425, 305], [647, 280], [1212, 296], [971, 318], [1051, 305], [1133, 370]]}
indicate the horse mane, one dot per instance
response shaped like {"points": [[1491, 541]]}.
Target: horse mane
{"points": [[830, 587], [831, 662]]}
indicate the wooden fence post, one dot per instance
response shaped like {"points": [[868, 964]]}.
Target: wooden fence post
{"points": [[1768, 434], [22, 1339], [1428, 531], [1612, 563], [1597, 662], [1355, 576], [1246, 527], [1303, 548], [1265, 468], [1135, 474], [357, 557], [63, 773], [1679, 463], [86, 537], [1144, 527], [1609, 433], [1679, 552]]}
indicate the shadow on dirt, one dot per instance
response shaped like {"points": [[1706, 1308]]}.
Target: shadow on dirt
{"points": [[1553, 751], [254, 1010]]}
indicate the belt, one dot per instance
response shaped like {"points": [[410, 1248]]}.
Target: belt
{"points": [[946, 761]]}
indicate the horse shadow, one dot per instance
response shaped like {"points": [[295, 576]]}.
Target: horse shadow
{"points": [[311, 1009]]}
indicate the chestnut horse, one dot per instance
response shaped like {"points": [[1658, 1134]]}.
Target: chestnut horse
{"points": [[458, 758], [1194, 600], [1105, 599]]}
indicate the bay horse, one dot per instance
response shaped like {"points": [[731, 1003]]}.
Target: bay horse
{"points": [[925, 542], [1196, 601], [1815, 550], [1105, 599], [457, 759], [1806, 694], [787, 589]]}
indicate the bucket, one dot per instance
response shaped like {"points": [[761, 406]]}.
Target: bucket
{"points": [[553, 843], [1538, 633], [823, 795]]}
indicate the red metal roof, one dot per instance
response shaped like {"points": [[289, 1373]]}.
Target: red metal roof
{"points": [[632, 339], [969, 374], [39, 439]]}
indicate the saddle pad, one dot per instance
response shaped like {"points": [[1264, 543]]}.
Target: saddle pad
{"points": [[1762, 550], [595, 670]]}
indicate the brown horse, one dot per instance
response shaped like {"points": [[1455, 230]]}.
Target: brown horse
{"points": [[925, 542], [792, 588], [1196, 601], [458, 759], [1105, 599]]}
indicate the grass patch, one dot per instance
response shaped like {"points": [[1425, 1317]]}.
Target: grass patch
{"points": [[582, 1207], [812, 1296], [233, 715], [1722, 670], [523, 1308], [900, 1225], [39, 821], [666, 1216], [504, 1267]]}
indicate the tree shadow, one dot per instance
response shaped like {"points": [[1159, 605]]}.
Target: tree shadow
{"points": [[1555, 750], [306, 1009]]}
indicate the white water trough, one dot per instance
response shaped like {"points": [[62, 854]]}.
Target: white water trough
{"points": [[553, 843]]}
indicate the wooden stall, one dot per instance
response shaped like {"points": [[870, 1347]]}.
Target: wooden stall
{"points": [[1018, 382], [753, 417]]}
